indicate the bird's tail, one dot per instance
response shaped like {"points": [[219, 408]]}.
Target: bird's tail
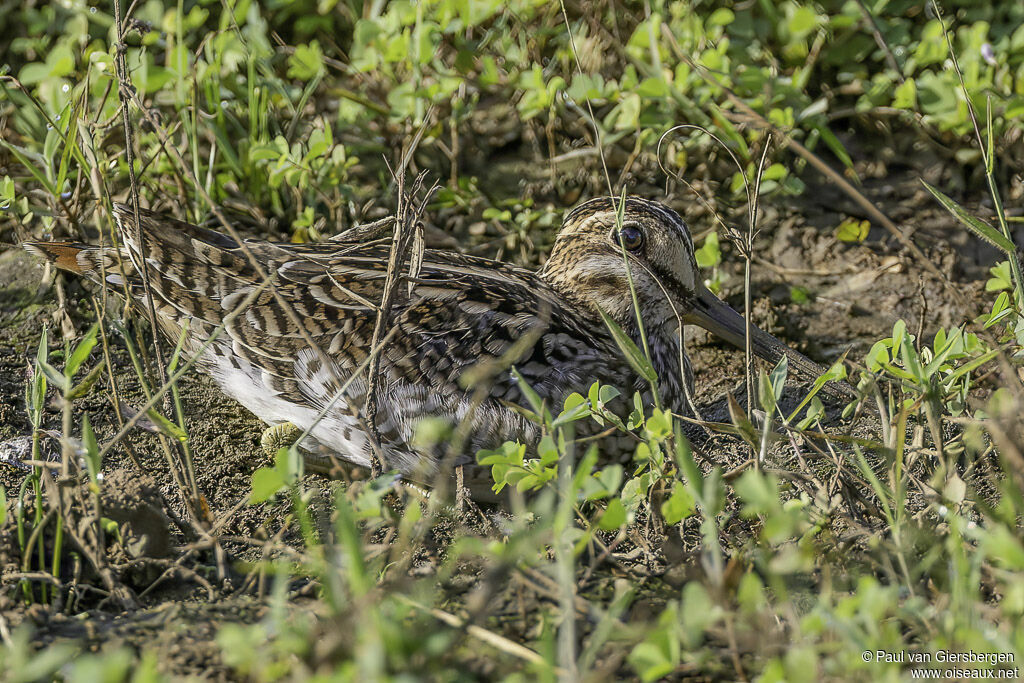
{"points": [[99, 264]]}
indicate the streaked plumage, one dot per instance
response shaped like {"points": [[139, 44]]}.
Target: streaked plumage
{"points": [[460, 311]]}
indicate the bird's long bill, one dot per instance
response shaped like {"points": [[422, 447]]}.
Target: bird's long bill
{"points": [[715, 316]]}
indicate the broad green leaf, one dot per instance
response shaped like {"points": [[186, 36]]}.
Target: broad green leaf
{"points": [[1003, 547], [723, 16], [584, 468], [653, 658], [765, 396], [815, 412], [607, 394], [578, 411], [803, 21], [307, 62], [905, 95], [547, 452], [289, 463], [679, 505], [778, 377], [1001, 278], [266, 482], [852, 230], [613, 517], [7, 193], [710, 253], [659, 424], [1000, 310], [912, 362]]}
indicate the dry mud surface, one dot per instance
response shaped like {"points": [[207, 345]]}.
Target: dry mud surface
{"points": [[858, 290]]}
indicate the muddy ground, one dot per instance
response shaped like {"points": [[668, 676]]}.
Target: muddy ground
{"points": [[858, 291]]}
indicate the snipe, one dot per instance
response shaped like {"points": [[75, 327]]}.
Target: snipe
{"points": [[459, 312]]}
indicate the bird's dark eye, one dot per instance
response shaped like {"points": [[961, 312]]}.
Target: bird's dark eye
{"points": [[630, 237]]}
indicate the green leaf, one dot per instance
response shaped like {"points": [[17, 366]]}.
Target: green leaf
{"points": [[1001, 278], [603, 484], [944, 349], [610, 477], [82, 351], [836, 146], [852, 230], [710, 254], [778, 377], [659, 424], [266, 482], [52, 374], [607, 394], [653, 88], [1003, 547], [912, 362], [660, 653], [834, 374], [765, 396], [92, 450], [759, 492], [723, 16], [803, 21], [899, 334], [814, 413], [679, 505], [82, 388], [613, 517], [289, 463], [111, 528], [976, 225], [7, 193], [576, 408], [166, 426], [30, 160], [307, 62], [634, 356], [799, 294], [1000, 310], [547, 451], [685, 462], [531, 396], [905, 95], [3, 505]]}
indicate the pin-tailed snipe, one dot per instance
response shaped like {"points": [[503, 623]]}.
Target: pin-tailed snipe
{"points": [[459, 312]]}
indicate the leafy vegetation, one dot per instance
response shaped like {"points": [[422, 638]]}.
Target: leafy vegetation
{"points": [[890, 524]]}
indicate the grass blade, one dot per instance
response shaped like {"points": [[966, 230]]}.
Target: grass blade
{"points": [[976, 225]]}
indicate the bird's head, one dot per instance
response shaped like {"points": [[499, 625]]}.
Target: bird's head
{"points": [[596, 253]]}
